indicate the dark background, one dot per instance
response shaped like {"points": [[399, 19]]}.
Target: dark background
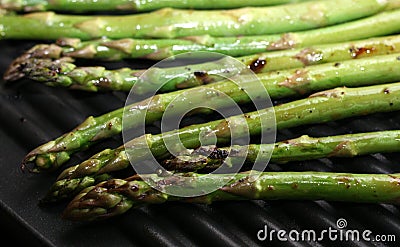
{"points": [[32, 113]]}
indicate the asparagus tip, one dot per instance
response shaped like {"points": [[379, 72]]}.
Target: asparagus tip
{"points": [[27, 160], [97, 202], [16, 69], [24, 166]]}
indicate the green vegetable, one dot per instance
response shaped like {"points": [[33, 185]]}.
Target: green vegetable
{"points": [[288, 83], [385, 23], [302, 148], [207, 158], [320, 107], [116, 196], [83, 6], [63, 73], [173, 23]]}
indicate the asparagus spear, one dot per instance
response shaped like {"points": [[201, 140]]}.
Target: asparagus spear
{"points": [[63, 73], [321, 107], [130, 5], [67, 188], [207, 158], [115, 197], [287, 83], [172, 23], [384, 23], [302, 148]]}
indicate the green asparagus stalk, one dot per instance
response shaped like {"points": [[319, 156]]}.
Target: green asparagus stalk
{"points": [[287, 83], [83, 6], [115, 197], [173, 23], [321, 107], [385, 23], [67, 188], [63, 73], [207, 158], [299, 149]]}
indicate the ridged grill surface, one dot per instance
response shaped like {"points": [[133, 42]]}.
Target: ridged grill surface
{"points": [[32, 114]]}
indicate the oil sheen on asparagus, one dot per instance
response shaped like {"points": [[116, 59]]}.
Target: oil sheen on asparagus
{"points": [[321, 107], [173, 23], [384, 23], [209, 158], [287, 83], [64, 73], [116, 196], [84, 6]]}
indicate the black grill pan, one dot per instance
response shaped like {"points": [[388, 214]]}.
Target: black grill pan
{"points": [[31, 114]]}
